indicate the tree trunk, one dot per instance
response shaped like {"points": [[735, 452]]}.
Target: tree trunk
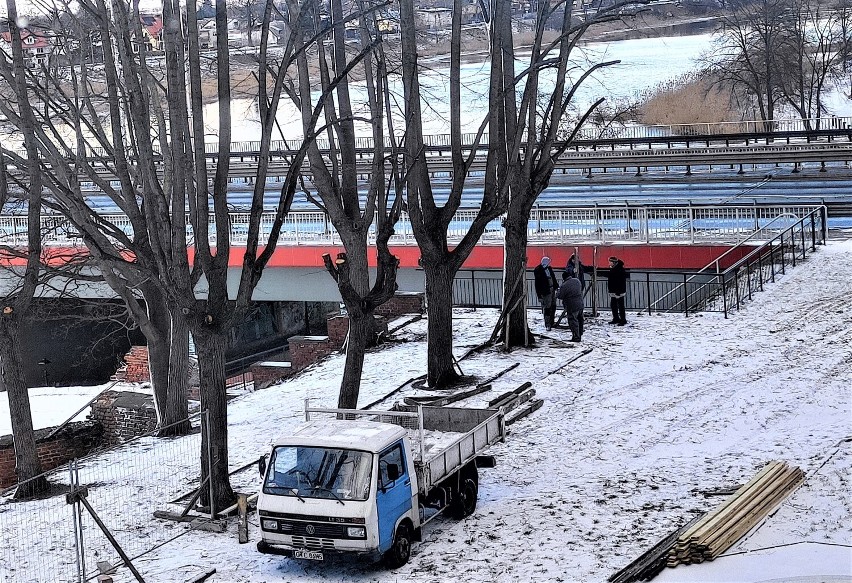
{"points": [[27, 464], [210, 348], [158, 364], [514, 275], [360, 331], [162, 360], [439, 310], [177, 396]]}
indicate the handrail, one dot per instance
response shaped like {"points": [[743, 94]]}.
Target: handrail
{"points": [[739, 244]]}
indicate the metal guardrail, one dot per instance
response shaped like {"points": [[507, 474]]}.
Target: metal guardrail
{"points": [[547, 225], [589, 133], [687, 292]]}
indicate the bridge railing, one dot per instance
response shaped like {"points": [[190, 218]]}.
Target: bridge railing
{"points": [[588, 133], [547, 225], [685, 292]]}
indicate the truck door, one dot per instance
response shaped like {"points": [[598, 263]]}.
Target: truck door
{"points": [[393, 497]]}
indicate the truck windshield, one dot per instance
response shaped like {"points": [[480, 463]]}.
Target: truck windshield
{"points": [[319, 472]]}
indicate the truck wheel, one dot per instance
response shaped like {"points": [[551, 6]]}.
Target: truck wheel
{"points": [[464, 502], [400, 551]]}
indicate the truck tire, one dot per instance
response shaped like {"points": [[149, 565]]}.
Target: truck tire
{"points": [[400, 550], [464, 501]]}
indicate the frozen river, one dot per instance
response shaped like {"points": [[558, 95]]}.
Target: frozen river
{"points": [[645, 63]]}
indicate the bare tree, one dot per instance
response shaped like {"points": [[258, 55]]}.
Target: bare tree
{"points": [[814, 51], [335, 179], [138, 137], [537, 116], [16, 305], [430, 219], [753, 36]]}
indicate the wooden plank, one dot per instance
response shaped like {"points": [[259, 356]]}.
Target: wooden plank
{"points": [[531, 408], [584, 352], [242, 513], [203, 577], [726, 524], [498, 375], [165, 515], [651, 561]]}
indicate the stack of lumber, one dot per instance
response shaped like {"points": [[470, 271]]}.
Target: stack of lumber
{"points": [[717, 530]]}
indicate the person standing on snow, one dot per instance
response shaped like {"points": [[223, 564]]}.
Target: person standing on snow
{"points": [[545, 288], [575, 268], [616, 284], [571, 294]]}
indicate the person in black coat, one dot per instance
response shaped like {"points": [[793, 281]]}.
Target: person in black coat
{"points": [[616, 284], [575, 268], [545, 288]]}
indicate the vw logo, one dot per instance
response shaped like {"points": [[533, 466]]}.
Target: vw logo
{"points": [[309, 529]]}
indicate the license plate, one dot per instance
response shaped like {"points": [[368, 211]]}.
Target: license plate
{"points": [[312, 555]]}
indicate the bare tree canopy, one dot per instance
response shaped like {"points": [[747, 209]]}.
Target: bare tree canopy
{"points": [[123, 115]]}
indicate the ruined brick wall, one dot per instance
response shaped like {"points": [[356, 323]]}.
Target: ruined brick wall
{"points": [[135, 368], [124, 415], [306, 350], [74, 441], [265, 373], [402, 303]]}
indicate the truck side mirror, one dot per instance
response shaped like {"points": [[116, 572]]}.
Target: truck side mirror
{"points": [[261, 465], [393, 472]]}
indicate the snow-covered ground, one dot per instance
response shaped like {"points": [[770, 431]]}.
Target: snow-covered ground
{"points": [[54, 405], [628, 441]]}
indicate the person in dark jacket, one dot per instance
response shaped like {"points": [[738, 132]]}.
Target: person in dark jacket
{"points": [[616, 284], [575, 268], [545, 288], [571, 294]]}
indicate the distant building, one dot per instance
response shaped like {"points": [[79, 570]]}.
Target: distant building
{"points": [[434, 18], [37, 46], [152, 31], [207, 33]]}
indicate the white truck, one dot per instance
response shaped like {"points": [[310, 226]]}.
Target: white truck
{"points": [[365, 482]]}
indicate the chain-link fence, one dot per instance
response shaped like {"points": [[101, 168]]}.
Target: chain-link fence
{"points": [[51, 539]]}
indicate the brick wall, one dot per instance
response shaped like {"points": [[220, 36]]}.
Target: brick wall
{"points": [[124, 415], [402, 303], [74, 441], [306, 350], [267, 372], [135, 368], [338, 327]]}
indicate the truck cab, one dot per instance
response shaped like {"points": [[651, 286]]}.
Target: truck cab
{"points": [[340, 486]]}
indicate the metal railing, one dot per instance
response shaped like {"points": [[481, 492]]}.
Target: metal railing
{"points": [[589, 133], [550, 225], [782, 241]]}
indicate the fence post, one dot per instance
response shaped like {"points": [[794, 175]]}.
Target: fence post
{"points": [[804, 250], [473, 287], [737, 286], [748, 280], [783, 258], [685, 297], [78, 526], [793, 246], [813, 233], [725, 293], [648, 290]]}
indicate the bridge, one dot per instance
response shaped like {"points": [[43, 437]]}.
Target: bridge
{"points": [[684, 149], [650, 237]]}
